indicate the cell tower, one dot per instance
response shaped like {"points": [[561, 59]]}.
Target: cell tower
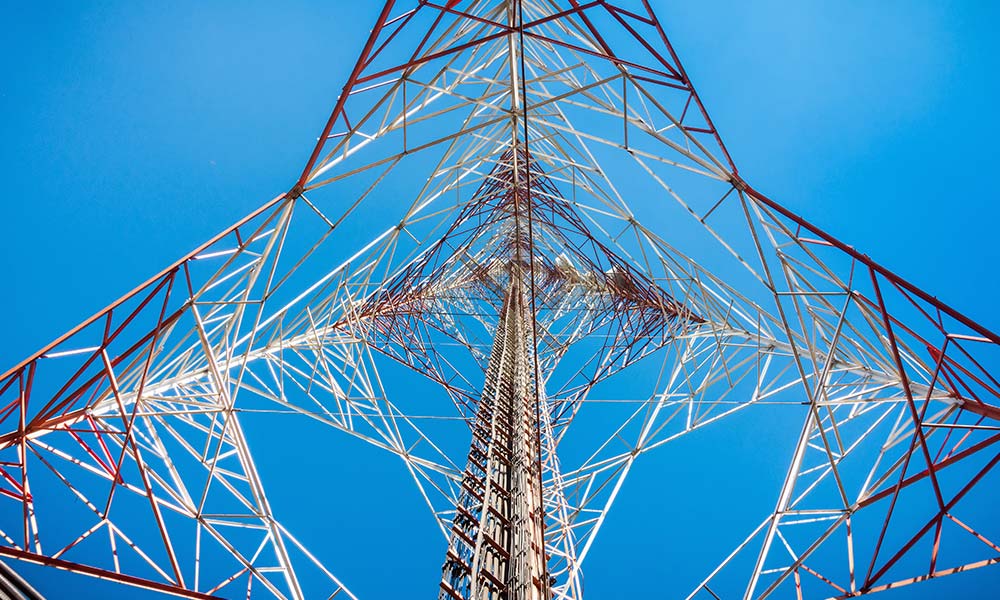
{"points": [[567, 272]]}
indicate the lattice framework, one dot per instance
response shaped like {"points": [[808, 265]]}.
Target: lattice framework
{"points": [[122, 447]]}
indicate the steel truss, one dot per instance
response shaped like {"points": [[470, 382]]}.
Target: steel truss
{"points": [[519, 279]]}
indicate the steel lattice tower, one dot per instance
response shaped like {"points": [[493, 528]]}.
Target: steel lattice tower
{"points": [[569, 273], [497, 547], [496, 544]]}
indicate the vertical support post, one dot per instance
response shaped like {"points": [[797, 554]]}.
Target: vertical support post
{"points": [[497, 548]]}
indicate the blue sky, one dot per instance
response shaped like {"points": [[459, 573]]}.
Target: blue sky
{"points": [[134, 130]]}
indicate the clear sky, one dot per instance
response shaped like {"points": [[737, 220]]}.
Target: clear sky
{"points": [[133, 130]]}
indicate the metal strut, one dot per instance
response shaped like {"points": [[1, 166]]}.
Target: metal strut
{"points": [[496, 550], [14, 587]]}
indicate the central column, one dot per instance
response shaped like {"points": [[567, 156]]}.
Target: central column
{"points": [[496, 550]]}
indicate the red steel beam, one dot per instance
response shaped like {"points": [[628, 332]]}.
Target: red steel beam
{"points": [[164, 273], [342, 100], [73, 567], [940, 515], [687, 80], [866, 260]]}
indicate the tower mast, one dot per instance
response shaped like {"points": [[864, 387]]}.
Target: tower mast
{"points": [[497, 548]]}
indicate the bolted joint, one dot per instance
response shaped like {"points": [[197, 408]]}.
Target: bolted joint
{"points": [[295, 192]]}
